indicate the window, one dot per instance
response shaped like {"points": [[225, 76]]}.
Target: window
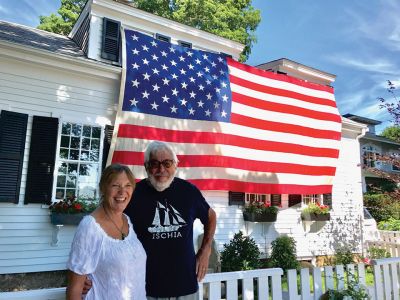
{"points": [[250, 198], [236, 198], [294, 199], [185, 44], [311, 198], [276, 200], [370, 156], [327, 199], [163, 38], [79, 163]]}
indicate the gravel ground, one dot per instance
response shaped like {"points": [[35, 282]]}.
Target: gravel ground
{"points": [[32, 281]]}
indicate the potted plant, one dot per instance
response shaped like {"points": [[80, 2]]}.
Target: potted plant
{"points": [[315, 212], [258, 211], [70, 211]]}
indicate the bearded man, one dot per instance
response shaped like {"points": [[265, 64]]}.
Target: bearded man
{"points": [[162, 210]]}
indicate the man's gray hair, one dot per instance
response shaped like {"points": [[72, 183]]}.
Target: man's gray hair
{"points": [[156, 146]]}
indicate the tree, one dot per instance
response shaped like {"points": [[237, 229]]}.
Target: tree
{"points": [[63, 23], [392, 132], [393, 106], [236, 20]]}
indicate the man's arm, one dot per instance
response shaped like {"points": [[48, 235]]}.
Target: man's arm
{"points": [[204, 252]]}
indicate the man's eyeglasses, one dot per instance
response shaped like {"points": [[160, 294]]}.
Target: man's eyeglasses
{"points": [[155, 164]]}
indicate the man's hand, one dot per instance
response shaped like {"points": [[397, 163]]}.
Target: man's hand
{"points": [[87, 286], [202, 258]]}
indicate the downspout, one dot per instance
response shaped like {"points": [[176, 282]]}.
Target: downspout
{"points": [[361, 135]]}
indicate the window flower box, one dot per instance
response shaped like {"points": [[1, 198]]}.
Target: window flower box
{"points": [[315, 217], [70, 211], [315, 212], [66, 219], [258, 211]]}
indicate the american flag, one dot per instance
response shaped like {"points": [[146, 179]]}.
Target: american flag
{"points": [[233, 126]]}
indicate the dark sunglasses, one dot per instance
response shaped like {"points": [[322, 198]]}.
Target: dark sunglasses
{"points": [[155, 164]]}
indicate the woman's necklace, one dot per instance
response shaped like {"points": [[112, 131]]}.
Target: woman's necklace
{"points": [[123, 235]]}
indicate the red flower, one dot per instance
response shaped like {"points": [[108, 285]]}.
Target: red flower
{"points": [[77, 206]]}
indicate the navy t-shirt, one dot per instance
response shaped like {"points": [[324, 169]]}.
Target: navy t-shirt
{"points": [[163, 222]]}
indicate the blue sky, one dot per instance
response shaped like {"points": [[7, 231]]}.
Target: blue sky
{"points": [[356, 41]]}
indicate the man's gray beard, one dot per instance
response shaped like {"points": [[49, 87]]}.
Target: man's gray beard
{"points": [[160, 186]]}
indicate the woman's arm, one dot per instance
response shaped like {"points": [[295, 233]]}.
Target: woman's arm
{"points": [[75, 286]]}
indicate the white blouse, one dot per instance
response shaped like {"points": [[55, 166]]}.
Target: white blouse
{"points": [[117, 268]]}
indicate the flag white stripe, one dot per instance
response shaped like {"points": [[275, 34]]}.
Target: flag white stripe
{"points": [[138, 145], [286, 118], [282, 100], [280, 84], [227, 128]]}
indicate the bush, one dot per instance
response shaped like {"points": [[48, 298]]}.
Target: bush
{"points": [[241, 253], [382, 207], [344, 256], [377, 253], [390, 224], [284, 253]]}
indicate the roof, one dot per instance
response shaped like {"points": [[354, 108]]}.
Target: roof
{"points": [[362, 119], [39, 39], [379, 138]]}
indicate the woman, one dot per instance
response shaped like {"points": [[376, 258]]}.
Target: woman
{"points": [[105, 247]]}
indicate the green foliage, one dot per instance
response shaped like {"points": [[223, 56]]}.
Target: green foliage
{"points": [[344, 256], [390, 224], [241, 253], [353, 290], [72, 205], [315, 208], [392, 132], [284, 253], [382, 206], [66, 18], [260, 208], [377, 253]]}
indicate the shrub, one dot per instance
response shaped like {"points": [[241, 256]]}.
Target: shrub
{"points": [[352, 291], [315, 208], [390, 224], [284, 253], [377, 253], [241, 253], [344, 256], [382, 207]]}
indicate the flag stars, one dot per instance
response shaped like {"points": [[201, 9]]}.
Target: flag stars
{"points": [[218, 90], [183, 72], [135, 51], [208, 113], [213, 64], [221, 72], [184, 85], [134, 102], [198, 61], [165, 99], [208, 96], [181, 58], [191, 67], [201, 87], [220, 59], [183, 102], [173, 63], [145, 61], [164, 67], [192, 79], [145, 48], [134, 37], [200, 103], [205, 57], [145, 94], [165, 81], [225, 98], [191, 111], [223, 114], [208, 81], [189, 53], [146, 76], [173, 109], [154, 43], [163, 53], [171, 49], [154, 105], [192, 94], [174, 76], [156, 87], [135, 66], [175, 92], [224, 85], [154, 57], [216, 105], [207, 69], [199, 74], [135, 83], [155, 71], [215, 77]]}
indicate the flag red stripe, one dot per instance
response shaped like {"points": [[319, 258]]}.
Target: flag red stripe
{"points": [[283, 127], [261, 188], [285, 108], [281, 92], [280, 77], [136, 158], [175, 136]]}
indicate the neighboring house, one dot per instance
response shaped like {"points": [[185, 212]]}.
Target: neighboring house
{"points": [[58, 101], [372, 147]]}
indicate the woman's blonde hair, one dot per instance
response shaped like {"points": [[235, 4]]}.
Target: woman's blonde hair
{"points": [[113, 171]]}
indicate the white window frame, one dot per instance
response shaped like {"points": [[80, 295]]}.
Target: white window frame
{"points": [[58, 160], [311, 198], [370, 156]]}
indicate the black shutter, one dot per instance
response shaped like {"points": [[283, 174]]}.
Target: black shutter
{"points": [[294, 199], [108, 133], [42, 155], [12, 146], [236, 198], [276, 200], [111, 39]]}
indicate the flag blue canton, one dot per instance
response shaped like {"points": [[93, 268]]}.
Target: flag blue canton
{"points": [[174, 81]]}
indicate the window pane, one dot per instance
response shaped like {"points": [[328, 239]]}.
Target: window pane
{"points": [[66, 128], [86, 144], [65, 141], [60, 194], [73, 169], [76, 130], [74, 154], [71, 181], [94, 155], [62, 169], [85, 155], [75, 142], [95, 144], [70, 193], [86, 131], [61, 180], [96, 132], [88, 181], [64, 153]]}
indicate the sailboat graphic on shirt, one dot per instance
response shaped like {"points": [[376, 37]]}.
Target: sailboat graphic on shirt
{"points": [[166, 219]]}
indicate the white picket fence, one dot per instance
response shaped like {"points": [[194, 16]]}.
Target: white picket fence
{"points": [[388, 240], [267, 283]]}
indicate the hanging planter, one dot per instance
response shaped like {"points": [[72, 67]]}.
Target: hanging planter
{"points": [[315, 217], [259, 217], [66, 219]]}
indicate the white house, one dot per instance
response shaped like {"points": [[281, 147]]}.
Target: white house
{"points": [[58, 99]]}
